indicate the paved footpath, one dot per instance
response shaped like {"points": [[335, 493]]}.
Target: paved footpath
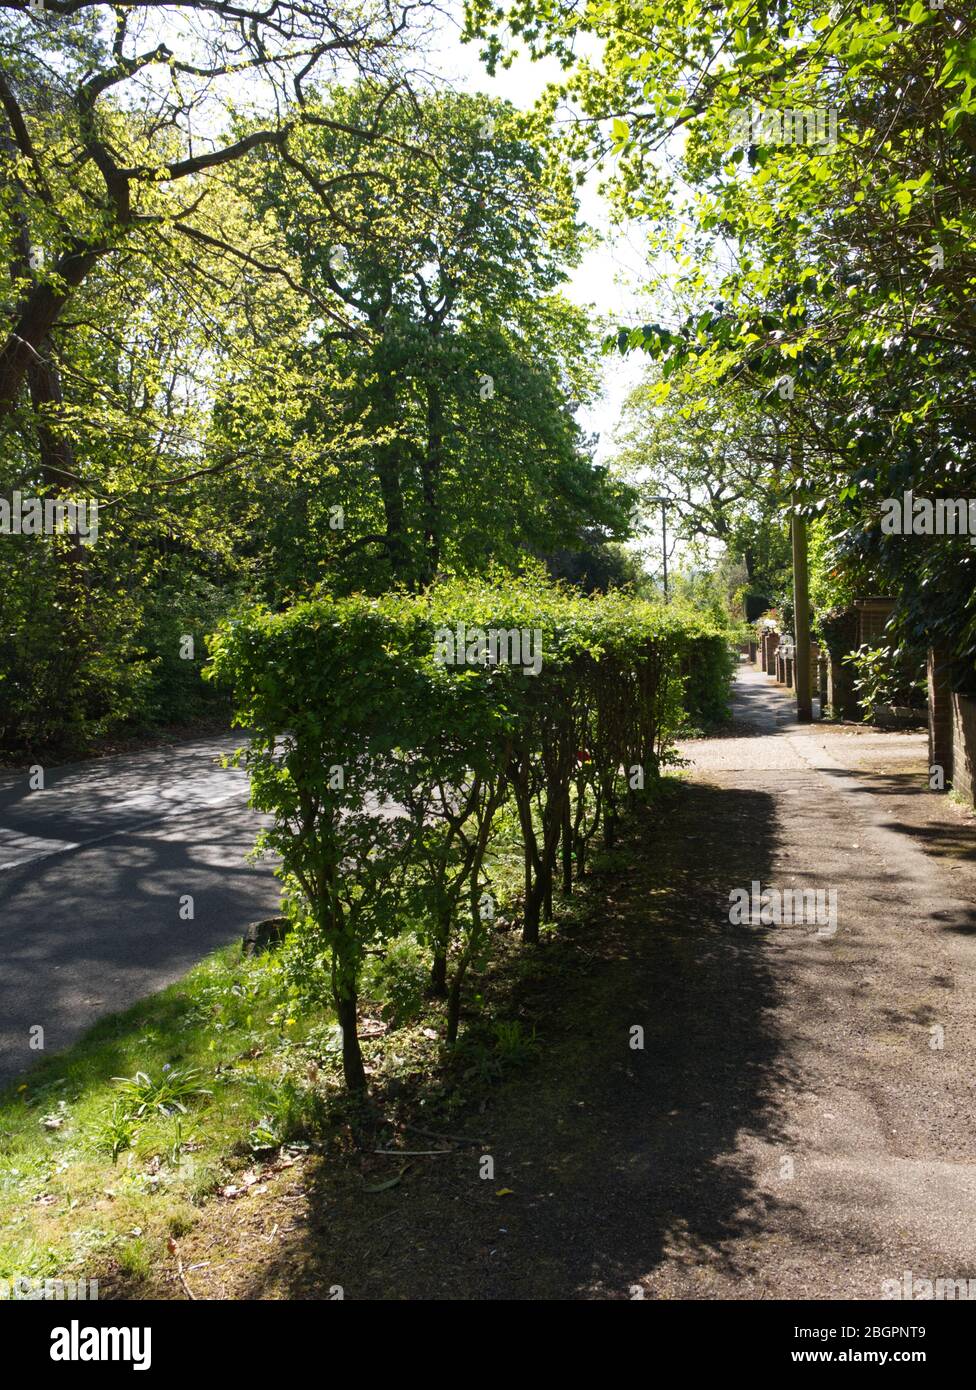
{"points": [[873, 1169]]}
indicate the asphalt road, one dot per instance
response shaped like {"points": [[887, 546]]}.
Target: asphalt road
{"points": [[92, 872]]}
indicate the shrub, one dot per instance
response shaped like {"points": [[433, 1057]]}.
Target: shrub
{"points": [[388, 733], [708, 666]]}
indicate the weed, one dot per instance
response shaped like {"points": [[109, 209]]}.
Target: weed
{"points": [[117, 1131], [514, 1047], [141, 1095]]}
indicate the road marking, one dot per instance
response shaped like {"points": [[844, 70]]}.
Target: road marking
{"points": [[29, 847], [67, 846]]}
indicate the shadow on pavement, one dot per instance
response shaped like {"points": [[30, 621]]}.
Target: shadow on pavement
{"points": [[615, 1158]]}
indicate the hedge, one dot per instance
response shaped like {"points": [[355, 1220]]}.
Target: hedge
{"points": [[387, 733]]}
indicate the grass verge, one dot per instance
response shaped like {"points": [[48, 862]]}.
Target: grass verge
{"points": [[110, 1150]]}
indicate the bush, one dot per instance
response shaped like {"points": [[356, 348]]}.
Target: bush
{"points": [[887, 676], [400, 977], [709, 664], [388, 734]]}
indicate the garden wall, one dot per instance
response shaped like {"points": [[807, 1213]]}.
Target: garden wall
{"points": [[963, 745]]}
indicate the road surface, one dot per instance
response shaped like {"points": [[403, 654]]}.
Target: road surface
{"points": [[94, 872]]}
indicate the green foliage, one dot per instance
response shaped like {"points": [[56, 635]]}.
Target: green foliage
{"points": [[388, 733], [710, 664], [832, 277], [832, 583], [140, 1095], [715, 457], [400, 976], [443, 401], [118, 1130], [252, 419], [514, 1046], [887, 675]]}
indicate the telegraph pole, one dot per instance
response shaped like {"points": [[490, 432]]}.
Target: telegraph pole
{"points": [[801, 603], [664, 544]]}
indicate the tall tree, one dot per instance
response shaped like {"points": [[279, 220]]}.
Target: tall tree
{"points": [[442, 245], [718, 462], [828, 150]]}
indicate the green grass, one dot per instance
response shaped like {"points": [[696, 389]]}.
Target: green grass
{"points": [[214, 1069], [114, 1145], [110, 1147]]}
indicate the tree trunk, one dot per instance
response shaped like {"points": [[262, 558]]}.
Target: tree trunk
{"points": [[57, 453], [580, 857], [454, 1005], [431, 465], [438, 972], [533, 909], [388, 476], [352, 1057], [609, 819], [40, 313]]}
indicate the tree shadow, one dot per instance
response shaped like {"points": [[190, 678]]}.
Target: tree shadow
{"points": [[607, 1159], [938, 839], [86, 935]]}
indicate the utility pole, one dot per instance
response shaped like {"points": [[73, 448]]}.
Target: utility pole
{"points": [[801, 603]]}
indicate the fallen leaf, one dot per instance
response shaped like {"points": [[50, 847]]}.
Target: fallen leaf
{"points": [[382, 1186], [390, 1182]]}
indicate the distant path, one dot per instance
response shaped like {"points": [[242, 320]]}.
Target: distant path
{"points": [[92, 870]]}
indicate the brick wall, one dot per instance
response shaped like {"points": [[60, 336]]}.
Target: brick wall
{"points": [[841, 698], [873, 615], [964, 746], [771, 647]]}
